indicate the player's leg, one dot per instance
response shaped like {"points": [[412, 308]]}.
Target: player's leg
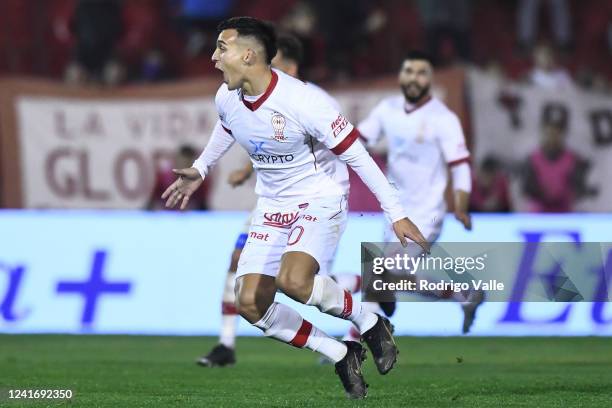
{"points": [[348, 281], [224, 353], [229, 314], [312, 242], [298, 279], [256, 286], [352, 283], [255, 302]]}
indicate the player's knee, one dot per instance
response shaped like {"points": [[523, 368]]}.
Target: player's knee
{"points": [[253, 304], [294, 284], [246, 305]]}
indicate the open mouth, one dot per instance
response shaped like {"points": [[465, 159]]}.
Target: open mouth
{"points": [[223, 72]]}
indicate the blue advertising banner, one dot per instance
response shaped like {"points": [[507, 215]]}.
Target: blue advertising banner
{"points": [[163, 273]]}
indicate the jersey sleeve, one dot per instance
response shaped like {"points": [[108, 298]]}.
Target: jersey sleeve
{"points": [[333, 102], [451, 140], [220, 142], [322, 120], [371, 127]]}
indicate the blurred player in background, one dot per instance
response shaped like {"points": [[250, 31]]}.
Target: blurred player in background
{"points": [[289, 57], [425, 140], [299, 145], [164, 177]]}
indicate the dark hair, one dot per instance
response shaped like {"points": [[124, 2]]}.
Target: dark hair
{"points": [[419, 55], [490, 164], [262, 31], [291, 47], [187, 151]]}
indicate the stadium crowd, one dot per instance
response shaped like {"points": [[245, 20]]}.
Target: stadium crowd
{"points": [[553, 44]]}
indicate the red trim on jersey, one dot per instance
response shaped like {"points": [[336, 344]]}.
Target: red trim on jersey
{"points": [[228, 308], [347, 142], [301, 337], [418, 105], [348, 305], [226, 129], [459, 161], [254, 105]]}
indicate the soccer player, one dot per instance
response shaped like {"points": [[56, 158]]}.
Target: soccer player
{"points": [[425, 139], [299, 145], [289, 56]]}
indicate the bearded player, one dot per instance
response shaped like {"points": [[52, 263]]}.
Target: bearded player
{"points": [[425, 142]]}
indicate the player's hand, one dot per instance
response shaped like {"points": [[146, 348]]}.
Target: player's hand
{"points": [[465, 219], [238, 177], [405, 228], [180, 191]]}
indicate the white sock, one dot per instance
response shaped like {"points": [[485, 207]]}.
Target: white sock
{"points": [[352, 334], [285, 324], [330, 298], [348, 281], [229, 314]]}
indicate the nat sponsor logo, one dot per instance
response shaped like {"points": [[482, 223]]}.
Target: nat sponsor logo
{"points": [[339, 125], [308, 217], [279, 219], [259, 236]]}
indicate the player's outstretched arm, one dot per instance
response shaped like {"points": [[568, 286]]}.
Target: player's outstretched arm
{"points": [[366, 168], [405, 228], [461, 175], [462, 200], [188, 181]]}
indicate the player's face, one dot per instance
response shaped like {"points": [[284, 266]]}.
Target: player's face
{"points": [[286, 65], [415, 79], [553, 140], [230, 58]]}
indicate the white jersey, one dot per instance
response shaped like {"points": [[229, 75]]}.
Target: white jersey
{"points": [[292, 133], [422, 142]]}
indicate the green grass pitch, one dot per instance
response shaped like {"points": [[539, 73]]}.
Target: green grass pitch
{"points": [[124, 371]]}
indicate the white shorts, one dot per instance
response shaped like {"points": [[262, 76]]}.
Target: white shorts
{"points": [[313, 226]]}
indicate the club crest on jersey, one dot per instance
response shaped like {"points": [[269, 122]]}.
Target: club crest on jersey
{"points": [[278, 124]]}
